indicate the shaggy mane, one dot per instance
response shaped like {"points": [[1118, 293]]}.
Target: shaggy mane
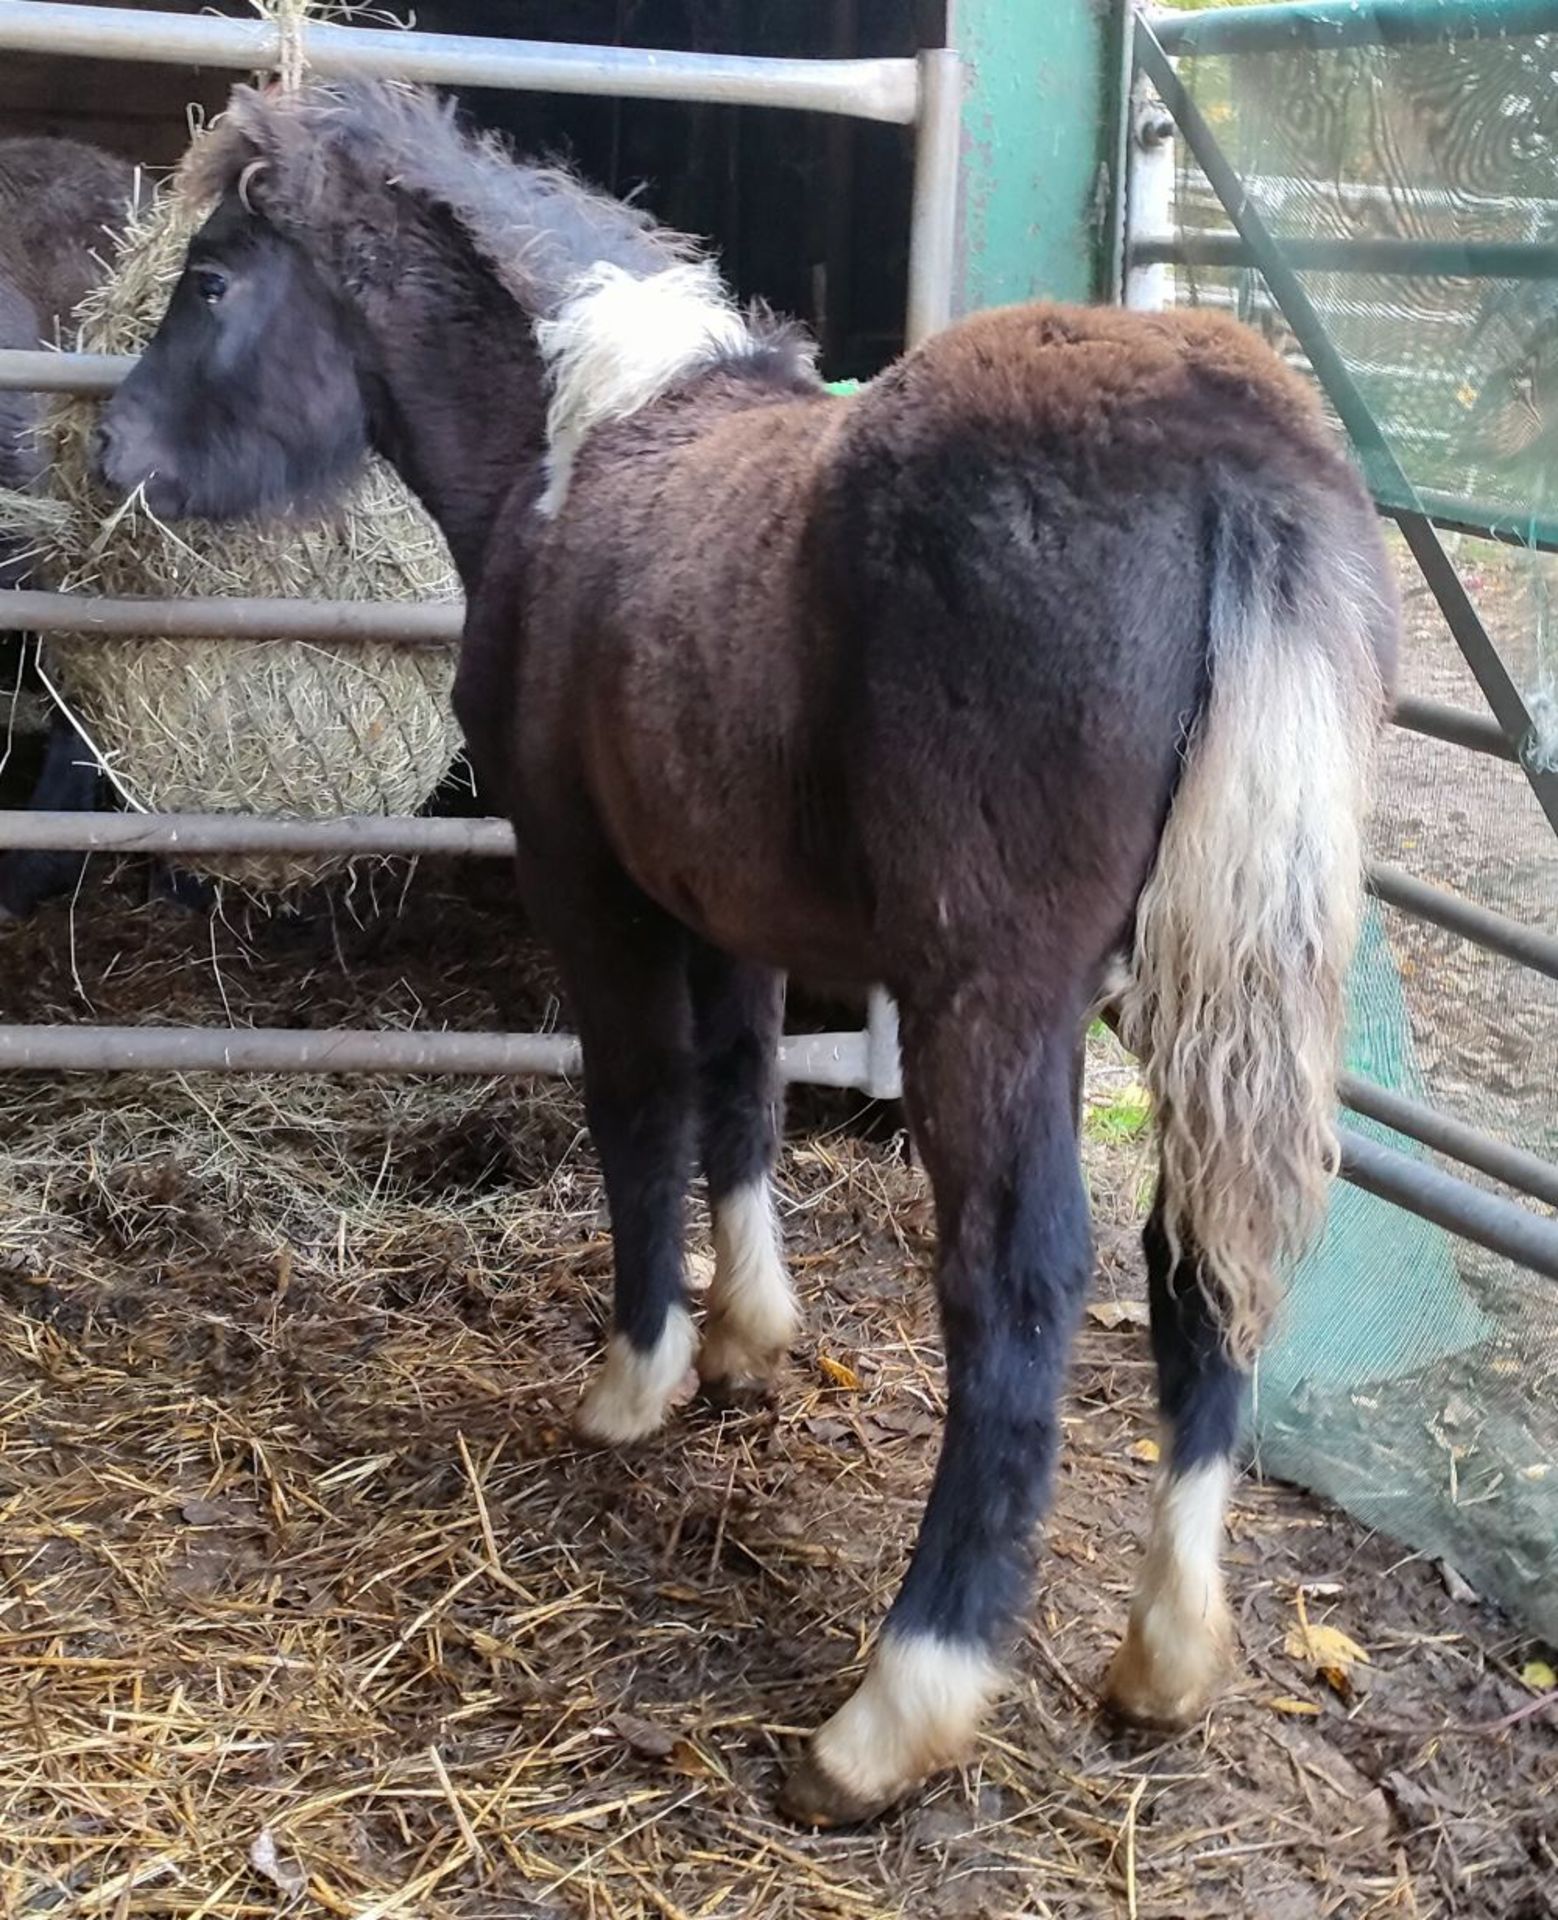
{"points": [[323, 150]]}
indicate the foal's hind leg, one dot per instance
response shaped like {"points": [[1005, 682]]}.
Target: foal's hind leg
{"points": [[990, 1097], [1178, 1640], [752, 1319], [627, 974]]}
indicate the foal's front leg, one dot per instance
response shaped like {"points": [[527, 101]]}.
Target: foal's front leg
{"points": [[992, 1115], [752, 1320], [628, 978]]}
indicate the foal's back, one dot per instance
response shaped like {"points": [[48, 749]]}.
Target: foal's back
{"points": [[854, 682]]}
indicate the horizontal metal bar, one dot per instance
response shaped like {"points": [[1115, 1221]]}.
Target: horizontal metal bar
{"points": [[1277, 188], [866, 89], [1482, 519], [1447, 259], [35, 370], [281, 1050], [816, 1059], [828, 1060], [100, 373], [363, 835], [1527, 1172], [831, 1059], [1479, 732], [1350, 23], [1481, 925], [411, 623], [1486, 1219]]}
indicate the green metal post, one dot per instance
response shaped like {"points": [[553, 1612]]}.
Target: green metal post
{"points": [[1041, 80]]}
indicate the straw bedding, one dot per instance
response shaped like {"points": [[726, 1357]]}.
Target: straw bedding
{"points": [[290, 728], [309, 1606]]}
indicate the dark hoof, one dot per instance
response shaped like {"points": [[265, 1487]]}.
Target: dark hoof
{"points": [[1131, 1717], [738, 1395], [812, 1798]]}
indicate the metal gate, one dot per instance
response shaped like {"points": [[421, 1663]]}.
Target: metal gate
{"points": [[1506, 732], [922, 92]]}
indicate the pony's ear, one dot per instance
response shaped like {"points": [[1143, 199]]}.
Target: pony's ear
{"points": [[248, 111], [234, 153]]}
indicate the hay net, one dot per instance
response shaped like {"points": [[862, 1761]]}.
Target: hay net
{"points": [[1414, 1378], [295, 729]]}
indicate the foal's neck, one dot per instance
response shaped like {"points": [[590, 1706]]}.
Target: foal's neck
{"points": [[459, 406]]}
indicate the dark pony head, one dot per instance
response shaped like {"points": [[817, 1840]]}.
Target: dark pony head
{"points": [[351, 219]]}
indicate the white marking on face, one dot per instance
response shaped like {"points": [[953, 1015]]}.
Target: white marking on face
{"points": [[631, 1395], [917, 1710], [618, 342], [753, 1318], [1178, 1638]]}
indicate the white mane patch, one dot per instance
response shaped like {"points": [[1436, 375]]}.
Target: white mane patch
{"points": [[618, 342]]}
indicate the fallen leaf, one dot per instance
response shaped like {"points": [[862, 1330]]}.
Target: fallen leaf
{"points": [[829, 1432], [687, 1759], [1457, 1585], [1285, 1703], [1539, 1676], [218, 1513], [839, 1374], [1324, 1646], [1111, 1314], [904, 1423], [1326, 1651], [1408, 1794], [1072, 1546], [643, 1736], [1353, 1809], [285, 1875], [1144, 1450]]}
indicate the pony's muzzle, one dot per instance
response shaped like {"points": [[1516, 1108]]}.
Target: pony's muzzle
{"points": [[124, 457], [102, 450]]}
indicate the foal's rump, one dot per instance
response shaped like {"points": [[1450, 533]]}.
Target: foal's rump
{"points": [[1125, 628], [1021, 520]]}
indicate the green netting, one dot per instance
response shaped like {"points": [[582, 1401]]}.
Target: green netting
{"points": [[1415, 1378]]}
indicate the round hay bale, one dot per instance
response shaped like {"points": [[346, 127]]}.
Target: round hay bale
{"points": [[299, 729]]}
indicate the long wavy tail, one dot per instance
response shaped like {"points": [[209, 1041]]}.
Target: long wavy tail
{"points": [[1247, 923]]}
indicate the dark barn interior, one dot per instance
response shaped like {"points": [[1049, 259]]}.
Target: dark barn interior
{"points": [[808, 211]]}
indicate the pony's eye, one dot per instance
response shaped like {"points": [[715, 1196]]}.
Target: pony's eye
{"points": [[210, 284]]}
